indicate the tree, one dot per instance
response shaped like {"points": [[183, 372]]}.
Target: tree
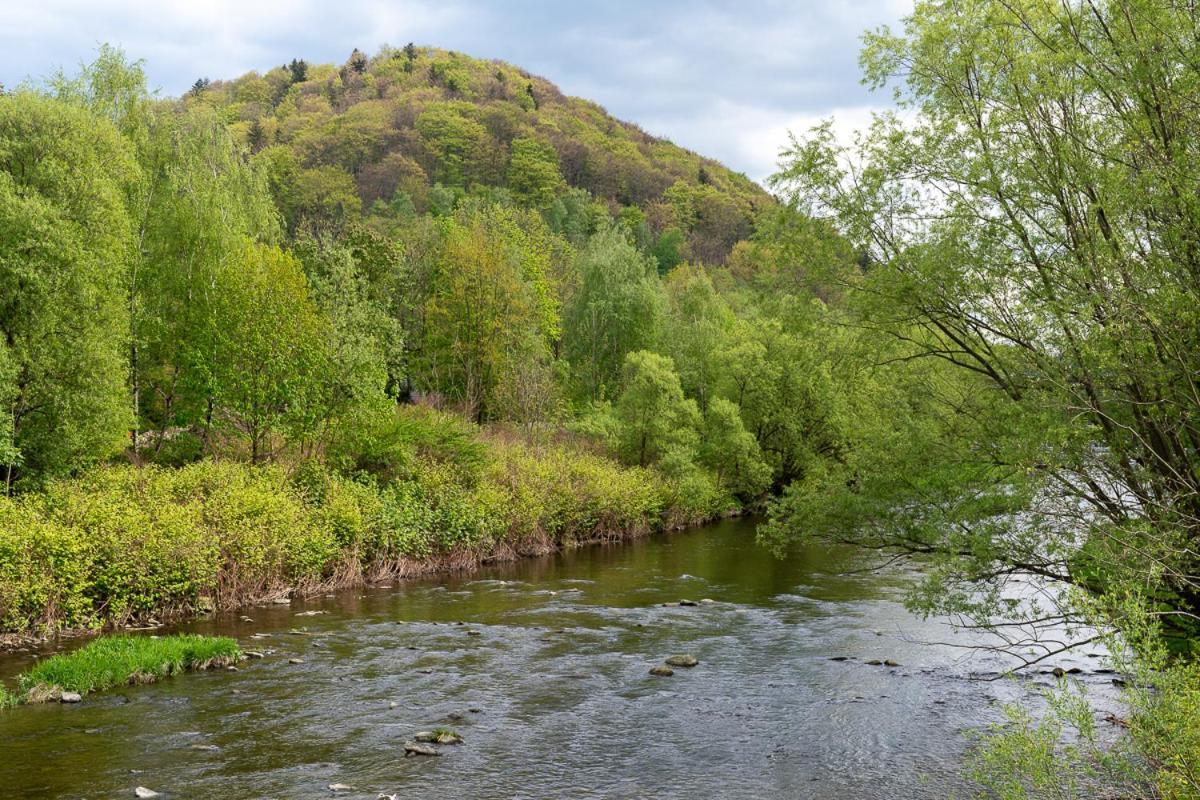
{"points": [[65, 237], [533, 175], [491, 307], [269, 361], [453, 140], [696, 324], [656, 419], [299, 70], [193, 166], [731, 451], [615, 310], [1030, 226]]}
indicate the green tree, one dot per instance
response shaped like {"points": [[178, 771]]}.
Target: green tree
{"points": [[453, 139], [491, 308], [731, 451], [533, 175], [615, 310], [269, 359], [695, 328], [65, 237], [657, 421]]}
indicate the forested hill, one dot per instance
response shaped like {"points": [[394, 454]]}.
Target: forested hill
{"points": [[409, 127]]}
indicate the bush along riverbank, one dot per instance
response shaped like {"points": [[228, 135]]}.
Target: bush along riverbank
{"points": [[120, 545], [119, 660]]}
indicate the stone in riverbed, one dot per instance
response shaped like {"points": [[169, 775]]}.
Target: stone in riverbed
{"points": [[438, 737], [682, 661], [688, 603], [416, 749], [252, 654], [887, 662], [295, 660], [142, 791], [661, 672], [874, 662], [70, 697], [340, 787]]}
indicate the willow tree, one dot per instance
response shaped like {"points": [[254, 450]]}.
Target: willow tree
{"points": [[1029, 220], [614, 310]]}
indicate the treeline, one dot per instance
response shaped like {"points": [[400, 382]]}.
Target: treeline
{"points": [[163, 298]]}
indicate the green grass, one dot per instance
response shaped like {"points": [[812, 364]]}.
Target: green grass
{"points": [[118, 660], [7, 698]]}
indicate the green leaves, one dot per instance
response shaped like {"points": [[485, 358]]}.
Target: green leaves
{"points": [[65, 238]]}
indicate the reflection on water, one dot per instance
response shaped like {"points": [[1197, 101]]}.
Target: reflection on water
{"points": [[542, 666]]}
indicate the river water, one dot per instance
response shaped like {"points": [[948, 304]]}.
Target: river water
{"points": [[543, 667]]}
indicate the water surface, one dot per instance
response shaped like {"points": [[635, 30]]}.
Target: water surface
{"points": [[542, 666]]}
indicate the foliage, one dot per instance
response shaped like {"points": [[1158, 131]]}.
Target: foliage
{"points": [[116, 660], [657, 422], [614, 310], [65, 236], [269, 357]]}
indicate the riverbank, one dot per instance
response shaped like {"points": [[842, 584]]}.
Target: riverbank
{"points": [[122, 546]]}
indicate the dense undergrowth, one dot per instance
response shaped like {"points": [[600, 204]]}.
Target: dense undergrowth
{"points": [[120, 543]]}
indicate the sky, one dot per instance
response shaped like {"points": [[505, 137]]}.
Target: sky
{"points": [[724, 78]]}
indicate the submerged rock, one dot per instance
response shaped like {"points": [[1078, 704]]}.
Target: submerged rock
{"points": [[887, 662], [839, 658], [662, 672], [438, 737], [682, 661], [416, 749]]}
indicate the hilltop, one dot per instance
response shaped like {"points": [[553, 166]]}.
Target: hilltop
{"points": [[409, 127]]}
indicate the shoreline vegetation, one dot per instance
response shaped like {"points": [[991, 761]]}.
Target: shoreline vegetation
{"points": [[116, 661], [121, 545]]}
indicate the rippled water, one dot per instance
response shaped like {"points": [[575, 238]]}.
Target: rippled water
{"points": [[542, 666]]}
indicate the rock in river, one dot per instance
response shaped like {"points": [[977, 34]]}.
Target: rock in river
{"points": [[441, 736], [661, 671], [688, 603], [416, 749], [340, 787], [682, 661], [142, 791], [71, 697]]}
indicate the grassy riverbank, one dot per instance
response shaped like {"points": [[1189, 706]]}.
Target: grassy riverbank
{"points": [[121, 544]]}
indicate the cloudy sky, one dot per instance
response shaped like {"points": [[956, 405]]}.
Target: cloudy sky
{"points": [[726, 78]]}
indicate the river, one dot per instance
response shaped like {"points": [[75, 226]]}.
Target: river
{"points": [[543, 667]]}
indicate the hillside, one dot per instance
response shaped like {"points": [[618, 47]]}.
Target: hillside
{"points": [[379, 134]]}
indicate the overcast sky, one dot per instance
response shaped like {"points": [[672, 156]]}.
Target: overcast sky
{"points": [[727, 79]]}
